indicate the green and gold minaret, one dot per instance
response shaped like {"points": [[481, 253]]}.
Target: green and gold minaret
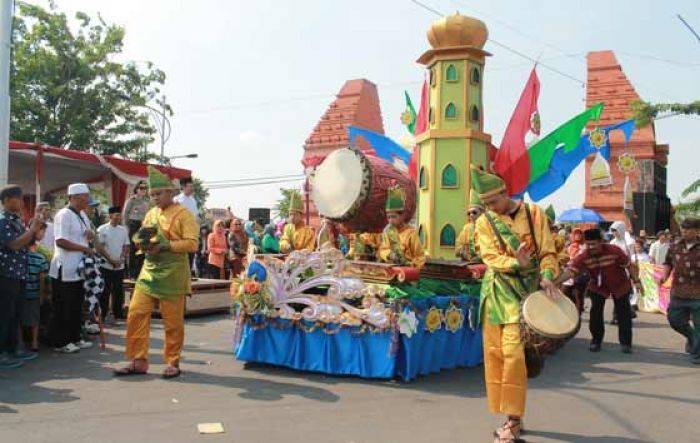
{"points": [[455, 136]]}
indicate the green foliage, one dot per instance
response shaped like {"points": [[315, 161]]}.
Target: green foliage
{"points": [[644, 112], [67, 89], [689, 206], [282, 206], [201, 194]]}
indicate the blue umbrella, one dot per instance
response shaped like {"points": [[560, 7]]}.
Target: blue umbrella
{"points": [[581, 215]]}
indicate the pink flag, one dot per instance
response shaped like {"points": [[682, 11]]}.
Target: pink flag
{"points": [[421, 127], [512, 162]]}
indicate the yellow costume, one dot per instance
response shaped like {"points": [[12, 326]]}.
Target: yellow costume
{"points": [[408, 244], [165, 277], [296, 238], [467, 240], [504, 354], [367, 240], [562, 253]]}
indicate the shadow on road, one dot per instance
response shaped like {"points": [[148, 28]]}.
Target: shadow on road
{"points": [[575, 438]]}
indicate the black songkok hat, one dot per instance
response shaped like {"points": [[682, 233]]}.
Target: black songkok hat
{"points": [[115, 210], [691, 223], [592, 234]]}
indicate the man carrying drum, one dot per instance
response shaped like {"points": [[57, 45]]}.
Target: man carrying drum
{"points": [[607, 266], [517, 247]]}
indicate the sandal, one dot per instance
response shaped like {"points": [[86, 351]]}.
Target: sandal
{"points": [[171, 372], [509, 432], [129, 370]]}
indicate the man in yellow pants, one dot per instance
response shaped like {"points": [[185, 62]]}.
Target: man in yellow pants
{"points": [[517, 247], [164, 278]]}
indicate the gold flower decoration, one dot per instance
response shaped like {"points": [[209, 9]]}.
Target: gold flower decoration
{"points": [[406, 117], [453, 319], [433, 319], [597, 138], [626, 163]]}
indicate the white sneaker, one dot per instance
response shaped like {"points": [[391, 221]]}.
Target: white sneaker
{"points": [[92, 328], [82, 344], [70, 348]]}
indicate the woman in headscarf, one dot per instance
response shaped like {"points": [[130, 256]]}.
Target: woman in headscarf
{"points": [[270, 244], [238, 247], [218, 247]]}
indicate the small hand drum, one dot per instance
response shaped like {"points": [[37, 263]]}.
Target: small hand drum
{"points": [[146, 235]]}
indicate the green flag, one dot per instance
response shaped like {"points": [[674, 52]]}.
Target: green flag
{"points": [[408, 117], [567, 134]]}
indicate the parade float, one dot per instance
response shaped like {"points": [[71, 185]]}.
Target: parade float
{"points": [[318, 311]]}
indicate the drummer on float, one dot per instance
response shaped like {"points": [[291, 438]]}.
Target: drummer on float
{"points": [[517, 247], [400, 244], [467, 248], [296, 235]]}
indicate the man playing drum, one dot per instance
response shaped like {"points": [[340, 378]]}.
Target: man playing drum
{"points": [[517, 247], [607, 266], [296, 235], [400, 243], [467, 248]]}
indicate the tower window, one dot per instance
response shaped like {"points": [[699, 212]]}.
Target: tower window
{"points": [[451, 74], [451, 111], [447, 236], [422, 178], [431, 76], [474, 114], [421, 235], [431, 115], [449, 177], [476, 76]]}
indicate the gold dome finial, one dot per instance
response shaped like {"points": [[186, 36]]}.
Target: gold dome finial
{"points": [[457, 30]]}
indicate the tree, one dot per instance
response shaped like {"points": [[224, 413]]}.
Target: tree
{"points": [[201, 194], [282, 206], [66, 89], [645, 112], [690, 201]]}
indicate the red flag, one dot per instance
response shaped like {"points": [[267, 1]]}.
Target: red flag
{"points": [[512, 162], [421, 127], [422, 119]]}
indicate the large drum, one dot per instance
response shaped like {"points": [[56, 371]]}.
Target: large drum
{"points": [[546, 325], [350, 187]]}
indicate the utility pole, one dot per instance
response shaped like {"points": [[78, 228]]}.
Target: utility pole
{"points": [[162, 131], [6, 7]]}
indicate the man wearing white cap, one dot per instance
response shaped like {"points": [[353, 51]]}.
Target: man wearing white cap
{"points": [[73, 236]]}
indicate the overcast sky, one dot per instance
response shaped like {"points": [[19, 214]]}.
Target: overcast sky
{"points": [[233, 65]]}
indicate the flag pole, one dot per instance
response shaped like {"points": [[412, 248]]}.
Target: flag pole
{"points": [[6, 7]]}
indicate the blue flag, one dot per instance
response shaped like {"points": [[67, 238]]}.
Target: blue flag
{"points": [[385, 148], [563, 163]]}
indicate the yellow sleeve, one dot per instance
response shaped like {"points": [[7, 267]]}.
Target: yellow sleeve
{"points": [[286, 241], [489, 248], [189, 234], [384, 249], [549, 266], [462, 239], [416, 250], [308, 240]]}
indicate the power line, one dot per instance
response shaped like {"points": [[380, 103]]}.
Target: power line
{"points": [[241, 180], [258, 183]]}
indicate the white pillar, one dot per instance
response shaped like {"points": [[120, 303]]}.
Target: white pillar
{"points": [[6, 7]]}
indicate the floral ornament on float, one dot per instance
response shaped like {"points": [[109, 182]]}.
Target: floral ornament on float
{"points": [[453, 319], [433, 319], [408, 323], [600, 169]]}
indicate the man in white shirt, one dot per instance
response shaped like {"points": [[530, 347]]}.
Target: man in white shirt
{"points": [[43, 211], [186, 197], [659, 249], [73, 237], [623, 240], [113, 244]]}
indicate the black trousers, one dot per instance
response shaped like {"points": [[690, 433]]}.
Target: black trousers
{"points": [[114, 286], [135, 261], [624, 318], [66, 323], [10, 293]]}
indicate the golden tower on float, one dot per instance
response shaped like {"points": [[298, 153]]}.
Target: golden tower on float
{"points": [[455, 136]]}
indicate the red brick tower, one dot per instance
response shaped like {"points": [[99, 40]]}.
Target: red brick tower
{"points": [[356, 104], [607, 83]]}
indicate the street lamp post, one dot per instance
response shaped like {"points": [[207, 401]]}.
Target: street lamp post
{"points": [[173, 157]]}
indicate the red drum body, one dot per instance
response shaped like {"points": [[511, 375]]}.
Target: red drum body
{"points": [[350, 188]]}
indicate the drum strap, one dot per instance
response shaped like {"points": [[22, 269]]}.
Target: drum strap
{"points": [[532, 233], [505, 248]]}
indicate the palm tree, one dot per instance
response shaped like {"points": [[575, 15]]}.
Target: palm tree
{"points": [[691, 205]]}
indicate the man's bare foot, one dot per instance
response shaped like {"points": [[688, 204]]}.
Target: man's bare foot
{"points": [[136, 367]]}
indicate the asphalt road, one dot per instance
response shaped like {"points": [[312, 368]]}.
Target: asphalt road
{"points": [[652, 395]]}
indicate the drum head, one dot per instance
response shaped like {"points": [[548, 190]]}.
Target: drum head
{"points": [[337, 183], [550, 318]]}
